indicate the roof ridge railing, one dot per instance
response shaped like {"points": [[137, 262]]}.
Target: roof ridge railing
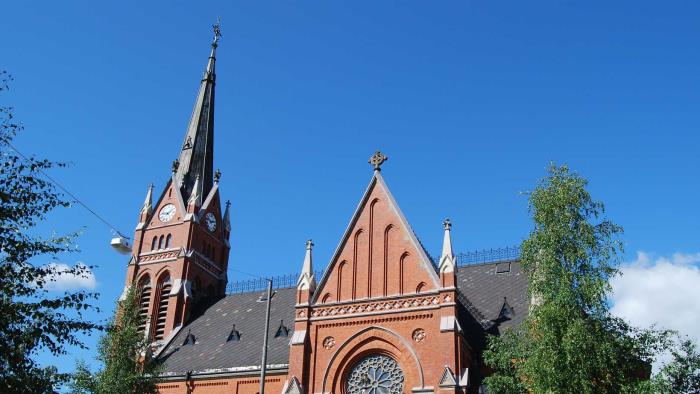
{"points": [[493, 255], [260, 284]]}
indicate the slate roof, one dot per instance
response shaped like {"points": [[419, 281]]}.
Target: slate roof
{"points": [[212, 353], [485, 286], [482, 287]]}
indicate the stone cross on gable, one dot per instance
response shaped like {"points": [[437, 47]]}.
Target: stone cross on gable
{"points": [[377, 159]]}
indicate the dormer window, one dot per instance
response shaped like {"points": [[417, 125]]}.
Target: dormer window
{"points": [[507, 311], [282, 331], [234, 335], [189, 339]]}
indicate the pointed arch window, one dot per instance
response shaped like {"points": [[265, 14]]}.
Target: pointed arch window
{"points": [[164, 287], [154, 243], [168, 241], [144, 288], [160, 242]]}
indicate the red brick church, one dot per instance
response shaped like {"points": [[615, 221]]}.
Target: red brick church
{"points": [[383, 317]]}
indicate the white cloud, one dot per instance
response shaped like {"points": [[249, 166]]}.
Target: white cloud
{"points": [[660, 290], [66, 280]]}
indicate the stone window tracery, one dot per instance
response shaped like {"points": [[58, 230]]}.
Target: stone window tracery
{"points": [[376, 374]]}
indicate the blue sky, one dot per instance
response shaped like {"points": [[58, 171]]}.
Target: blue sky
{"points": [[470, 100]]}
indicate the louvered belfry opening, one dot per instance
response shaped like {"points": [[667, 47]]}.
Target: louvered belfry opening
{"points": [[144, 300], [164, 287]]}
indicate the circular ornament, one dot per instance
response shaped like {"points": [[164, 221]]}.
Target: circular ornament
{"points": [[418, 334], [328, 343]]}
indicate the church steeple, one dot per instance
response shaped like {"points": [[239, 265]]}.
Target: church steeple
{"points": [[197, 154], [181, 243]]}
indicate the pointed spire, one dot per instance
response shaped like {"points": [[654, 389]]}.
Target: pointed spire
{"points": [[197, 154], [306, 278], [227, 216], [148, 203], [447, 259]]}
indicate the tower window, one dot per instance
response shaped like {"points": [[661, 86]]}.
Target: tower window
{"points": [[144, 289], [154, 243], [160, 242], [168, 240], [163, 298]]}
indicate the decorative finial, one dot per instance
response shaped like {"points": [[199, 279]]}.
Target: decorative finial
{"points": [[447, 224], [217, 31], [377, 159], [228, 203], [176, 164], [217, 176], [309, 244]]}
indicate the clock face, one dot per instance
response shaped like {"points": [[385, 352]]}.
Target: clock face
{"points": [[167, 213], [210, 221]]}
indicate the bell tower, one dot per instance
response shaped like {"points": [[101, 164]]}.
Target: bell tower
{"points": [[181, 243]]}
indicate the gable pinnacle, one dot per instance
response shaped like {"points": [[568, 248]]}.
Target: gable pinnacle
{"points": [[217, 176], [227, 216], [447, 258], [377, 159], [306, 278], [147, 204]]}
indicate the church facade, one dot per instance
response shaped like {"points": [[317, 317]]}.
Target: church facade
{"points": [[383, 317]]}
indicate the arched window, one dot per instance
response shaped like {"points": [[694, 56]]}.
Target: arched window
{"points": [[154, 243], [164, 287], [168, 240], [144, 289], [160, 242]]}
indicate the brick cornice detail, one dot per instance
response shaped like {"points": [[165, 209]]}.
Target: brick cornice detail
{"points": [[377, 320], [370, 307]]}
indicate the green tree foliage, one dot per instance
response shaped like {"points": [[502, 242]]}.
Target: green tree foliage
{"points": [[31, 317], [123, 351], [570, 343], [682, 373]]}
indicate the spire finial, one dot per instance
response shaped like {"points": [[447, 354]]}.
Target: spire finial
{"points": [[309, 244], [377, 159], [447, 224], [217, 176], [217, 31]]}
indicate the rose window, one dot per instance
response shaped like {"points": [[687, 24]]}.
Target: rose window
{"points": [[375, 375]]}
